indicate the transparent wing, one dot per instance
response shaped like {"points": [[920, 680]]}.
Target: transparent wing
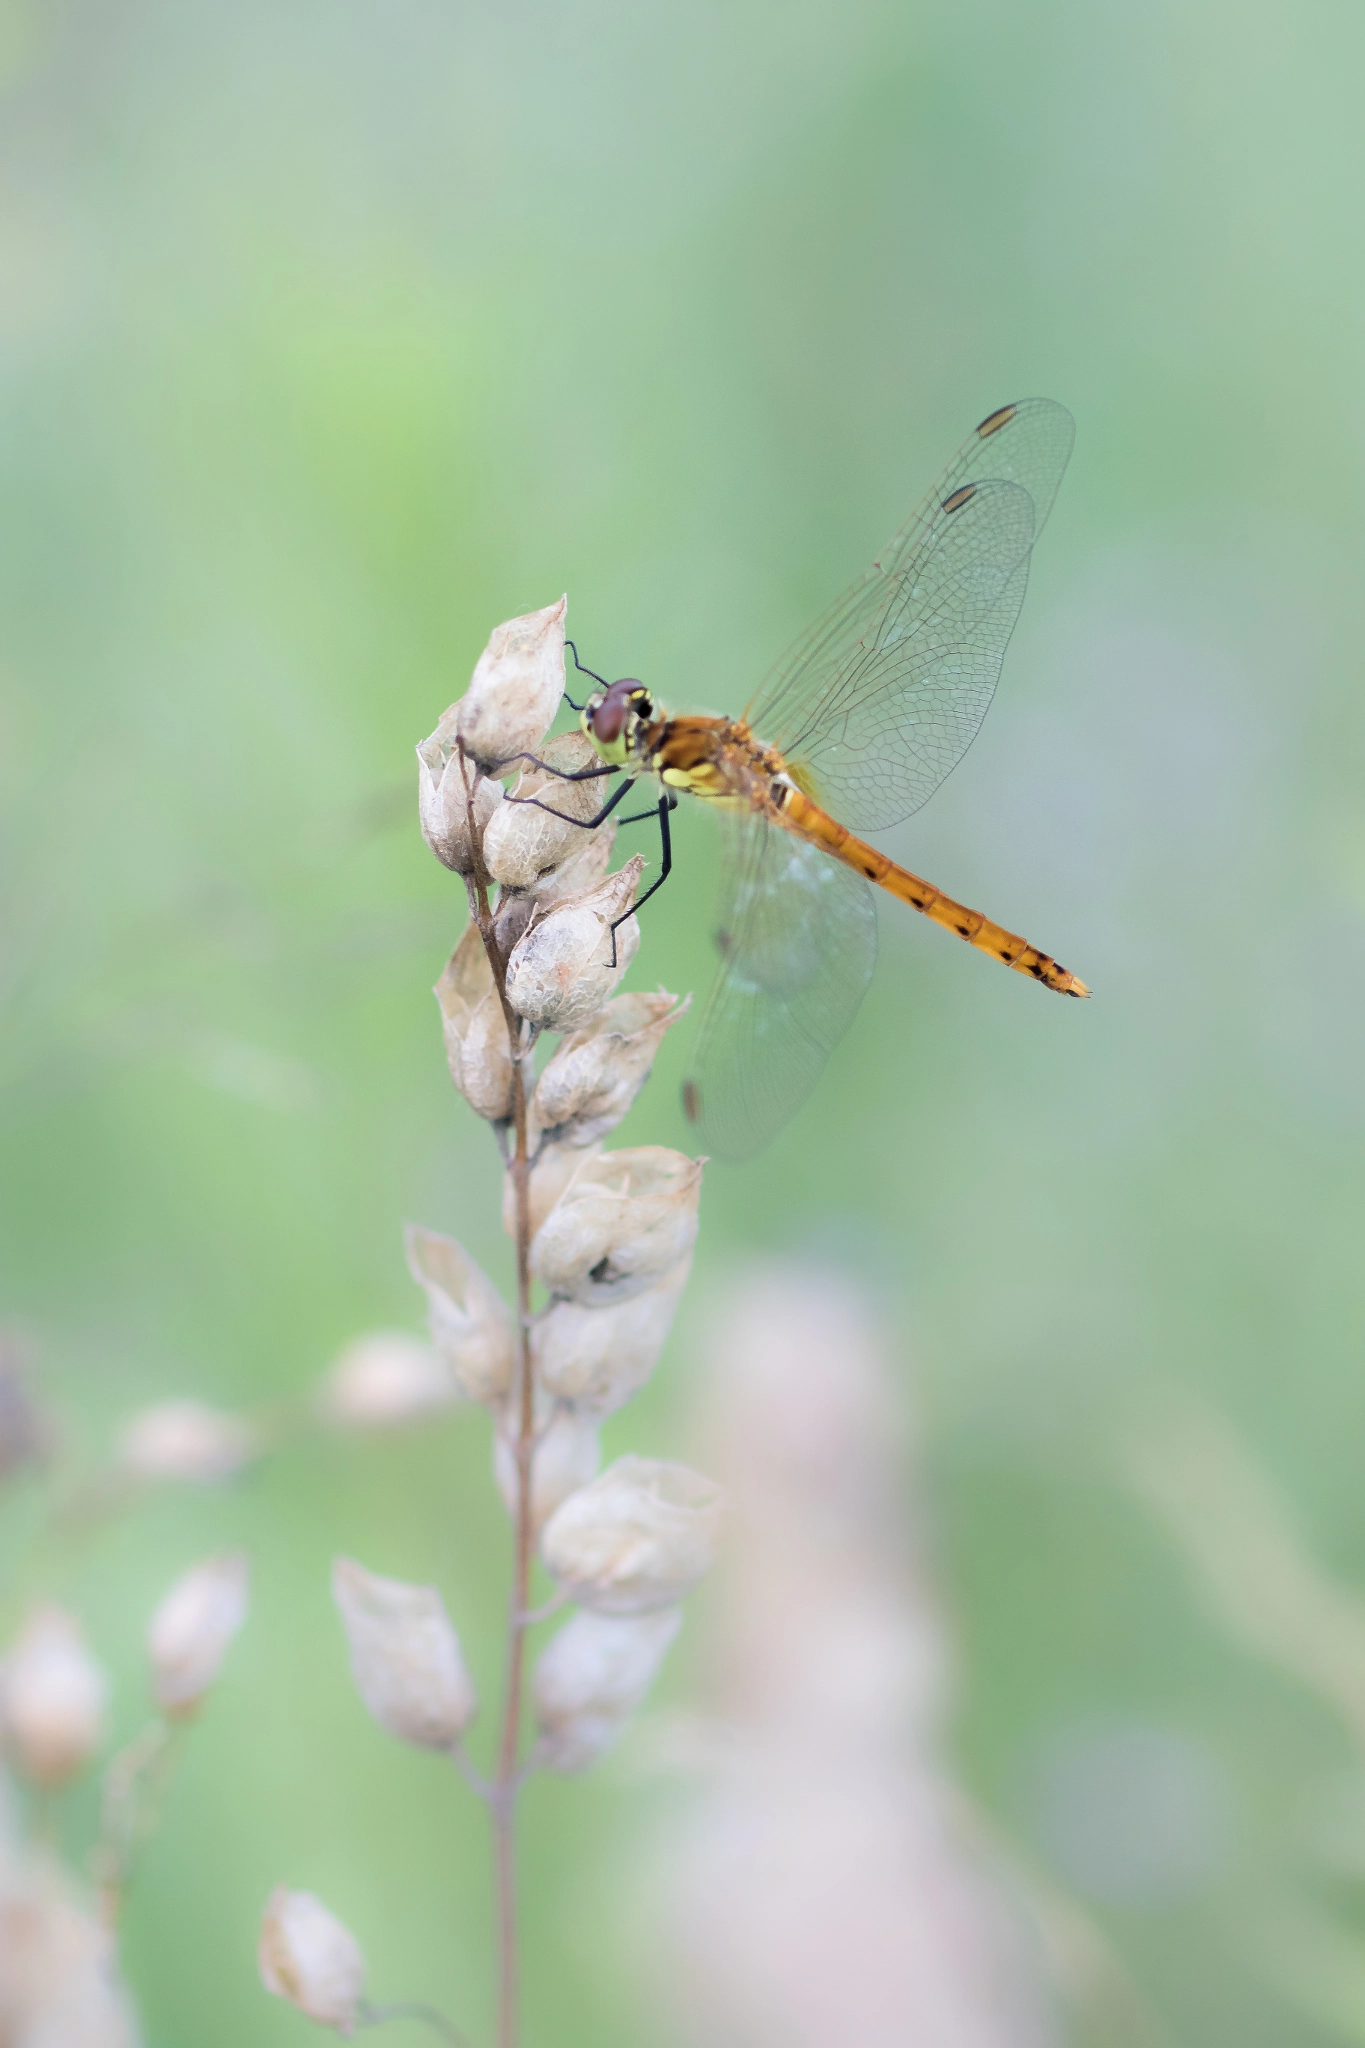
{"points": [[797, 935], [884, 694]]}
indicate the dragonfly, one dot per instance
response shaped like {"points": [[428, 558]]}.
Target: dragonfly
{"points": [[853, 730]]}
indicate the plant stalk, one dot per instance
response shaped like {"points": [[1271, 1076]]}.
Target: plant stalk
{"points": [[507, 1776]]}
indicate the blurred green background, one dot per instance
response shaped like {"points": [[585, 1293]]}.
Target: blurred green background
{"points": [[331, 334]]}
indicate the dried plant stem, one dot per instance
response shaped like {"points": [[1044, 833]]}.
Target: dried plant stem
{"points": [[132, 1784], [406, 2009], [506, 1778]]}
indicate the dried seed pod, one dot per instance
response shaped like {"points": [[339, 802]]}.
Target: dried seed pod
{"points": [[477, 1049], [185, 1440], [523, 842], [638, 1538], [471, 1325], [560, 972], [309, 1958], [596, 1073], [550, 1176], [515, 690], [598, 1357], [448, 792], [623, 1221], [581, 873], [53, 1698], [405, 1657], [386, 1379], [59, 1974], [591, 1677], [189, 1633], [567, 1455]]}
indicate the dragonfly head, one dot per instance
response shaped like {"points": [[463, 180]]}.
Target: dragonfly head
{"points": [[614, 717]]}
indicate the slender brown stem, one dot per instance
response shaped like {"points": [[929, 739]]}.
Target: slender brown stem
{"points": [[506, 1777], [411, 2009], [132, 1783]]}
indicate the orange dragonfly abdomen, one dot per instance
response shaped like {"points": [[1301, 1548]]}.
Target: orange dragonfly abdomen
{"points": [[800, 815]]}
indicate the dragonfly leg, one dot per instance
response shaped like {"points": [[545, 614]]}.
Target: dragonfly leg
{"points": [[588, 824], [583, 672], [638, 817], [560, 774], [667, 803]]}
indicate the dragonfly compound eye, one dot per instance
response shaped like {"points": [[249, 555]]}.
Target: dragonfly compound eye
{"points": [[608, 720]]}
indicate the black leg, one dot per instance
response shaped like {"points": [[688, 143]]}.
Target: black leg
{"points": [[588, 824], [666, 803], [583, 672], [638, 817], [560, 774]]}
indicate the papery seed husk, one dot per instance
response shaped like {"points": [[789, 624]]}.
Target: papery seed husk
{"points": [[185, 1440], [516, 688], [638, 1538], [52, 1698], [188, 1635], [593, 1077], [550, 1175], [444, 802], [525, 842], [475, 1027], [624, 1220], [386, 1379], [471, 1325], [59, 1973], [598, 1357], [567, 1455], [561, 971], [309, 1957], [581, 873], [591, 1677], [406, 1658]]}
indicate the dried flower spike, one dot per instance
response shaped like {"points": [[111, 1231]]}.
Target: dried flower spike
{"points": [[405, 1656], [309, 1958], [185, 1440], [53, 1699], [516, 687], [624, 1221], [189, 1633], [447, 790], [524, 842], [638, 1538], [471, 1326], [386, 1379], [562, 971], [590, 1679], [477, 1052]]}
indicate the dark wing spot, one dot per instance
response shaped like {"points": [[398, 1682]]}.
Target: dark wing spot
{"points": [[958, 498], [994, 421], [691, 1102]]}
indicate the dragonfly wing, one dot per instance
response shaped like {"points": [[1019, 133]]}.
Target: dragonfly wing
{"points": [[884, 694], [797, 935]]}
